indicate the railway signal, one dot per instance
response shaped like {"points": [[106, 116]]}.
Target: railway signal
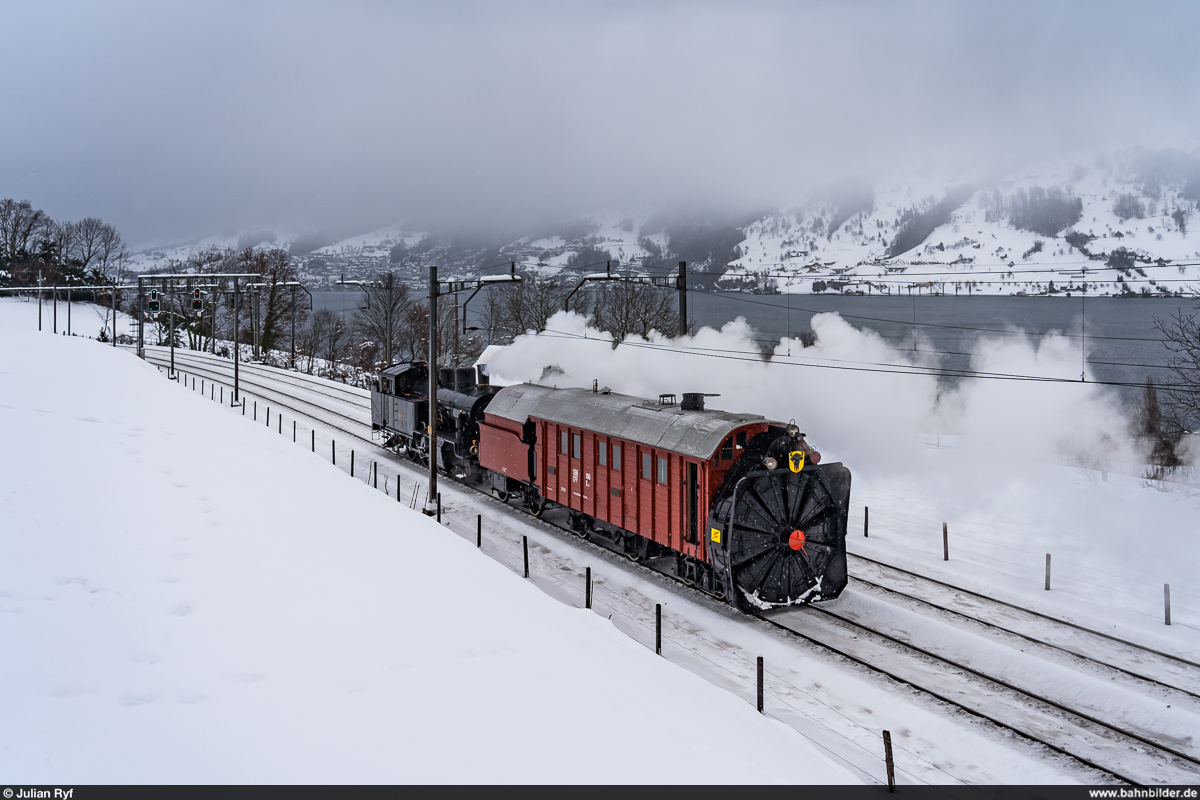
{"points": [[153, 305], [197, 303]]}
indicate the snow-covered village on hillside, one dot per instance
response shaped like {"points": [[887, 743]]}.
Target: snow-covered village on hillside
{"points": [[1118, 222]]}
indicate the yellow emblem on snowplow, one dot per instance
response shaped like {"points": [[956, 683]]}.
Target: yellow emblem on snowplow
{"points": [[796, 460], [716, 535]]}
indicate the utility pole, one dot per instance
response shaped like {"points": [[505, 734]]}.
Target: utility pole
{"points": [[255, 307], [293, 356], [114, 313], [387, 316], [39, 301], [435, 290], [141, 313], [171, 312], [1083, 329], [431, 412], [683, 311], [237, 308]]}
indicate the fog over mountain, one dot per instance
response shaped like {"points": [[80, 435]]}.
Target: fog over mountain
{"points": [[176, 121]]}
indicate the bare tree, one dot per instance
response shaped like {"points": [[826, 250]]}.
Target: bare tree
{"points": [[413, 341], [382, 318], [21, 225], [1181, 336], [518, 308], [87, 236], [625, 309], [111, 255], [277, 268]]}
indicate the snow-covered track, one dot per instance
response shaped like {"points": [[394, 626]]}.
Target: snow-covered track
{"points": [[1076, 641], [980, 677], [1129, 756], [315, 398]]}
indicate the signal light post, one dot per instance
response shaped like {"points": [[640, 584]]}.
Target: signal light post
{"points": [[168, 282]]}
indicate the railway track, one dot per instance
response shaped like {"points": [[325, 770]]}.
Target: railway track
{"points": [[865, 634], [1156, 669]]}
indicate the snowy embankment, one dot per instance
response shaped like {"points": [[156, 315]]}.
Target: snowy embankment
{"points": [[186, 598]]}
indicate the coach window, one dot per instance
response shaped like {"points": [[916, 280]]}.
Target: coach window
{"points": [[727, 449], [741, 440], [575, 440], [616, 465], [662, 470], [563, 446], [602, 454], [646, 467]]}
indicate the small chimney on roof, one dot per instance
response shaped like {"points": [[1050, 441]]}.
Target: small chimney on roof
{"points": [[692, 401]]}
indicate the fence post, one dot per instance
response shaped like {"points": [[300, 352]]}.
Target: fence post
{"points": [[587, 590], [525, 552], [280, 418], [658, 629], [760, 684], [268, 416], [255, 417], [1047, 572], [887, 757], [866, 521], [398, 500], [351, 462], [439, 506], [333, 450], [222, 395], [293, 431], [479, 530], [945, 543], [1167, 602], [375, 472], [314, 440]]}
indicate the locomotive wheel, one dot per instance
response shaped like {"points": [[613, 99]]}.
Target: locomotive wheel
{"points": [[501, 495], [541, 507], [787, 528]]}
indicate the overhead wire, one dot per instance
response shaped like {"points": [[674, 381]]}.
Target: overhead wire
{"points": [[842, 364]]}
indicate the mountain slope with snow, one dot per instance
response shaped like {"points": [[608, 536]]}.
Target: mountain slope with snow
{"points": [[1121, 223]]}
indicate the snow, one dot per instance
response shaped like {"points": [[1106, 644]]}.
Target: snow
{"points": [[185, 597], [990, 255], [185, 619]]}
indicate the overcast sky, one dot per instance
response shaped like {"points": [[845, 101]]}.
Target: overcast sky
{"points": [[174, 120]]}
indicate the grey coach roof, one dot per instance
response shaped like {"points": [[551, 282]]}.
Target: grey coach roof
{"points": [[697, 434]]}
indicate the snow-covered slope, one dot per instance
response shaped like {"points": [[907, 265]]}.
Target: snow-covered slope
{"points": [[187, 597], [1128, 224]]}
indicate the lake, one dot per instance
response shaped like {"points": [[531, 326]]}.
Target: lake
{"points": [[1122, 342]]}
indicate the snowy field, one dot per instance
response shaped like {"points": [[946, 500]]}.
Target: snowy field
{"points": [[186, 598], [184, 619]]}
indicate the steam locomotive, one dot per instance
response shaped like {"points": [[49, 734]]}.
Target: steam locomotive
{"points": [[734, 504]]}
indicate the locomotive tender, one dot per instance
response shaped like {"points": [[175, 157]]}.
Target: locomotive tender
{"points": [[735, 504]]}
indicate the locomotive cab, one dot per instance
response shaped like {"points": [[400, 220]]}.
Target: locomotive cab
{"points": [[397, 406]]}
